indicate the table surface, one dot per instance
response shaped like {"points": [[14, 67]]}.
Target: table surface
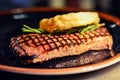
{"points": [[109, 73]]}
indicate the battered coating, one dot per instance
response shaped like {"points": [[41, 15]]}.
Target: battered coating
{"points": [[68, 21]]}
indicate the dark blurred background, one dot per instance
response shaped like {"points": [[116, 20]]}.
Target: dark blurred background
{"points": [[109, 6]]}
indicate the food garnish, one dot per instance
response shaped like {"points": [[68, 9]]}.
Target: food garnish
{"points": [[26, 28], [81, 30]]}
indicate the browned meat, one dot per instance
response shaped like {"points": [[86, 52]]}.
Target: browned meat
{"points": [[88, 57], [41, 47]]}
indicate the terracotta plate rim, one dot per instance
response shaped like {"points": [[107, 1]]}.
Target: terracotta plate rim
{"points": [[62, 71]]}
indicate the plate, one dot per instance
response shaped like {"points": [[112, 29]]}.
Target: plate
{"points": [[10, 25]]}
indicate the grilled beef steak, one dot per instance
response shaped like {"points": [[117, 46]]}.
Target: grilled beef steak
{"points": [[33, 48]]}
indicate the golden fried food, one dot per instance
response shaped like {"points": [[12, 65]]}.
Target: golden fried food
{"points": [[68, 21]]}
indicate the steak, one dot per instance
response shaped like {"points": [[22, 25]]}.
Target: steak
{"points": [[33, 48]]}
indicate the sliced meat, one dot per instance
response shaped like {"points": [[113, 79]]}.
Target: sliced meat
{"points": [[42, 47]]}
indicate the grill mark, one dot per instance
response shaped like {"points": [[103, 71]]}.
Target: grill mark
{"points": [[67, 43], [85, 38], [78, 38], [70, 40], [22, 49], [14, 41], [17, 44], [50, 43], [25, 41], [101, 33], [12, 44], [33, 40], [82, 39], [46, 43], [73, 37], [37, 39], [96, 33], [91, 37], [56, 46], [62, 45]]}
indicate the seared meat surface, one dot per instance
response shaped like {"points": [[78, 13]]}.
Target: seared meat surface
{"points": [[42, 47], [88, 57]]}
